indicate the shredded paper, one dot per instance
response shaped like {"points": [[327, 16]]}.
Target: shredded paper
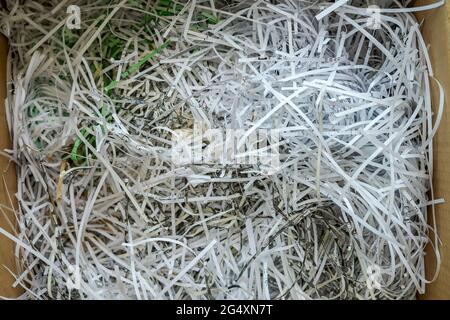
{"points": [[221, 149]]}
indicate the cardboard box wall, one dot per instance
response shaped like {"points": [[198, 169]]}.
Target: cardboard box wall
{"points": [[435, 31]]}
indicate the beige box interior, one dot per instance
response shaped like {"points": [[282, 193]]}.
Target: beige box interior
{"points": [[435, 30]]}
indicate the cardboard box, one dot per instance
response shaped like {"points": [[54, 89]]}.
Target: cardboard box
{"points": [[435, 30]]}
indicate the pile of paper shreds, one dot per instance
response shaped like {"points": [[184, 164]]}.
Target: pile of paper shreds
{"points": [[220, 149]]}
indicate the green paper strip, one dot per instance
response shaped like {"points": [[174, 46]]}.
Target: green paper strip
{"points": [[139, 64]]}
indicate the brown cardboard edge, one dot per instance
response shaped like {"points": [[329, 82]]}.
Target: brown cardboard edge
{"points": [[435, 32], [8, 184]]}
